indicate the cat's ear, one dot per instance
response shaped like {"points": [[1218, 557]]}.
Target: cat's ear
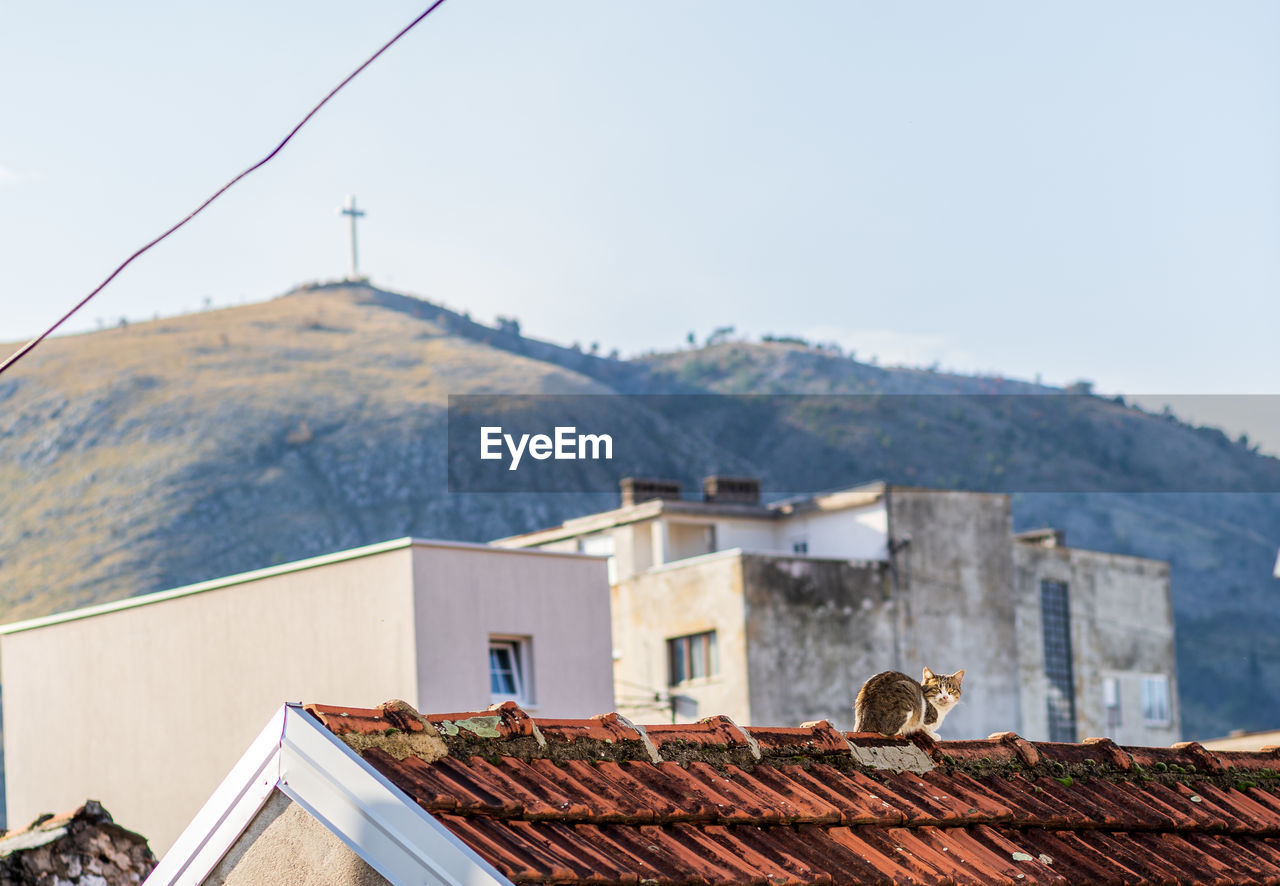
{"points": [[928, 674], [959, 675]]}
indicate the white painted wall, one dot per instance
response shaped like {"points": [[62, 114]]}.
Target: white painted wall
{"points": [[696, 595], [848, 534], [752, 536]]}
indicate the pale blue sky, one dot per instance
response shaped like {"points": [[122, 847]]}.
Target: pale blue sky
{"points": [[1080, 189]]}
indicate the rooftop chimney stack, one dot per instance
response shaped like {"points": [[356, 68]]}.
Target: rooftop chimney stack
{"points": [[638, 489], [1044, 538], [731, 490]]}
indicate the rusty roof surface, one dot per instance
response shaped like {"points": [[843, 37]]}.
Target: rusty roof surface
{"points": [[604, 801]]}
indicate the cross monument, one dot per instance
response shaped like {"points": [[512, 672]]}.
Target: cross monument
{"points": [[351, 211]]}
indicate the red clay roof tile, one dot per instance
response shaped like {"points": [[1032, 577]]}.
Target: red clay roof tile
{"points": [[810, 740], [603, 801]]}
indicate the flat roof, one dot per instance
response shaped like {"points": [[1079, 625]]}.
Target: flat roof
{"points": [[841, 499], [270, 571]]}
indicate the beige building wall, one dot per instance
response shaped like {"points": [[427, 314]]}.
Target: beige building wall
{"points": [[147, 704], [1121, 628], [702, 594], [285, 845], [555, 606]]}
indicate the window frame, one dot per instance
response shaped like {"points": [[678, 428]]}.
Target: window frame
{"points": [[683, 648], [518, 649], [1112, 707], [1165, 699]]}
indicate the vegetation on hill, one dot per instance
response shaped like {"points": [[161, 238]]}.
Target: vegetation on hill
{"points": [[159, 454]]}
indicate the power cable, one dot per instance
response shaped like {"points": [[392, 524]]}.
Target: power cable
{"points": [[29, 346]]}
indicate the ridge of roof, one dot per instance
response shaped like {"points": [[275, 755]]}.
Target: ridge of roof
{"points": [[506, 730], [602, 800]]}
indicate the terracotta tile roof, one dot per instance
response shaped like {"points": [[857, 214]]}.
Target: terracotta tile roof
{"points": [[603, 801]]}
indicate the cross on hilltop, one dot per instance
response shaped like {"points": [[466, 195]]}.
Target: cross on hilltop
{"points": [[351, 211]]}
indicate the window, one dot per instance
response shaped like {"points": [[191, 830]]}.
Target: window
{"points": [[1111, 702], [508, 671], [692, 657], [1055, 619], [800, 546], [1156, 710]]}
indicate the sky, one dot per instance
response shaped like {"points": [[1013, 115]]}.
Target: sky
{"points": [[1065, 191]]}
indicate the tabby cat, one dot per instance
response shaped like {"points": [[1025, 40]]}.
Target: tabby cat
{"points": [[892, 703]]}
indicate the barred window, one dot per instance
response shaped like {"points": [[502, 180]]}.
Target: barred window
{"points": [[1055, 618]]}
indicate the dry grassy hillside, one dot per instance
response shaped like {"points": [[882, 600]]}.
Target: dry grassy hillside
{"points": [[109, 439]]}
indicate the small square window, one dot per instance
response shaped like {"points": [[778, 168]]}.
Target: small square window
{"points": [[508, 671], [800, 546], [692, 657], [1156, 707]]}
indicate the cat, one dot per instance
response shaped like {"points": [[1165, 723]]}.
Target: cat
{"points": [[892, 703]]}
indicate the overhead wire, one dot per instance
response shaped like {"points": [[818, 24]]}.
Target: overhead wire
{"points": [[29, 346]]}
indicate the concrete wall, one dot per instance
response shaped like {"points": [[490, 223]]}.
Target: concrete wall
{"points": [[556, 604], [147, 707], [697, 595], [954, 602], [1121, 626], [816, 629]]}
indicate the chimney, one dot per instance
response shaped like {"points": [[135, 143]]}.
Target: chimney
{"points": [[731, 490], [1044, 538], [638, 489]]}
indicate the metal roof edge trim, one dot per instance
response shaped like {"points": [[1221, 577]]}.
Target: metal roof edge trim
{"points": [[298, 756], [373, 818], [210, 585]]}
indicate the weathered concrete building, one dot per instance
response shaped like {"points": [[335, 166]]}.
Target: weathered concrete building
{"points": [[155, 697], [777, 613]]}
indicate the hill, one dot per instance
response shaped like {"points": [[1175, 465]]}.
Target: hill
{"points": [[164, 453]]}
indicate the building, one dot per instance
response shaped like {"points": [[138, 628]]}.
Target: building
{"points": [[777, 613], [146, 703], [338, 795]]}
